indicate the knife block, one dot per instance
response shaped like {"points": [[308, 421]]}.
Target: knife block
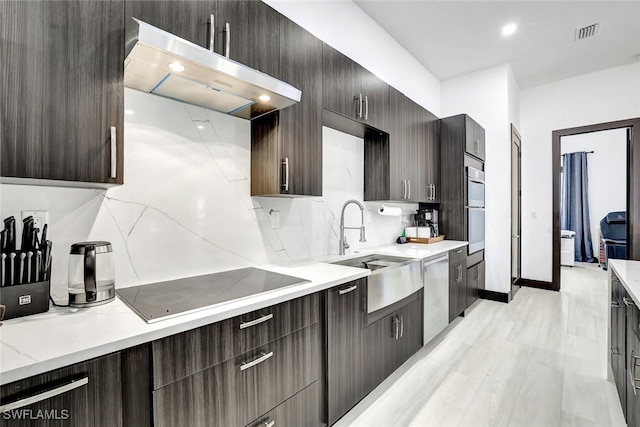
{"points": [[25, 299]]}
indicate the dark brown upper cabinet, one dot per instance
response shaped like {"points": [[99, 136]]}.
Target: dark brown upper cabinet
{"points": [[62, 104], [406, 165], [248, 31], [286, 146], [352, 91], [245, 31], [474, 138], [184, 18]]}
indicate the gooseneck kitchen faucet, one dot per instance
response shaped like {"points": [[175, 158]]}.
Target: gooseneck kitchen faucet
{"points": [[343, 240]]}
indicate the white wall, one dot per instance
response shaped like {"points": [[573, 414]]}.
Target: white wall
{"points": [[607, 173], [609, 95], [484, 95], [344, 26], [185, 208]]}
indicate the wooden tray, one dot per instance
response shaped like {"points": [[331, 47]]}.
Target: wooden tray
{"points": [[426, 239]]}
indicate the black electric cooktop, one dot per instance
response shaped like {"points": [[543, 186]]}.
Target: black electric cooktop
{"points": [[160, 301]]}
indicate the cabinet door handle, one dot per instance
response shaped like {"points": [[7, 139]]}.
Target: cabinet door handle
{"points": [[459, 278], [396, 325], [628, 301], [347, 290], [476, 147], [257, 361], [114, 152], [401, 326], [404, 188], [227, 30], [285, 184], [409, 187], [615, 350], [632, 372], [615, 304], [269, 423], [359, 99], [44, 395], [257, 321], [366, 107], [212, 32], [434, 192], [459, 251]]}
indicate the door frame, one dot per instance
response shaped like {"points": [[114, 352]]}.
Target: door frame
{"points": [[516, 139], [633, 186]]}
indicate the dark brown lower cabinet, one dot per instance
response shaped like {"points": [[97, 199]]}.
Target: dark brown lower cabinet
{"points": [[301, 410], [475, 282], [618, 348], [346, 382], [457, 282], [85, 394], [391, 341], [239, 390], [633, 362]]}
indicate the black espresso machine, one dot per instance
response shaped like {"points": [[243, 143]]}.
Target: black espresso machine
{"points": [[427, 218]]}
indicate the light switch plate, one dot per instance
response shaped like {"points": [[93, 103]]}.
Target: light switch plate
{"points": [[275, 218], [40, 218]]}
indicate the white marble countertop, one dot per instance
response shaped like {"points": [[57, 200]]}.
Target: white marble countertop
{"points": [[629, 274], [39, 343]]}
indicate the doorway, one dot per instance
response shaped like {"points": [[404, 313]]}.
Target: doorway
{"points": [[632, 127], [516, 210]]}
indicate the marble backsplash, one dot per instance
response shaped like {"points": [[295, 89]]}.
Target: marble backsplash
{"points": [[185, 208]]}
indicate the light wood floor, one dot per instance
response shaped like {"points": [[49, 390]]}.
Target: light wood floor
{"points": [[537, 361]]}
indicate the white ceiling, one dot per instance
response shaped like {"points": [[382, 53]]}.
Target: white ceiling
{"points": [[453, 38]]}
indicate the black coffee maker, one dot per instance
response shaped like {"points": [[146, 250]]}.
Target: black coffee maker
{"points": [[427, 218]]}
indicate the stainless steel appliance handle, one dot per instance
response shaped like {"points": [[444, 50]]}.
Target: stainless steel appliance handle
{"points": [[45, 395], [114, 152], [429, 262], [628, 301], [257, 361], [269, 424], [285, 163], [228, 44], [346, 291], [257, 321], [212, 32], [366, 107]]}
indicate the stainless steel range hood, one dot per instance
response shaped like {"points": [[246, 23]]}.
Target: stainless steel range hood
{"points": [[207, 79]]}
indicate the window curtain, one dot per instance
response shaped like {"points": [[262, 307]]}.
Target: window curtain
{"points": [[575, 204]]}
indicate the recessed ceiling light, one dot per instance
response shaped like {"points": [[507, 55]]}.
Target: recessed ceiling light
{"points": [[264, 98], [129, 112], [509, 29], [200, 127], [177, 67]]}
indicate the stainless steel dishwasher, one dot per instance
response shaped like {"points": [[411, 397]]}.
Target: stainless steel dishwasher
{"points": [[436, 295]]}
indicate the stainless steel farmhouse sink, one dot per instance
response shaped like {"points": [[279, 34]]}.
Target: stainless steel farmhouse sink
{"points": [[392, 278]]}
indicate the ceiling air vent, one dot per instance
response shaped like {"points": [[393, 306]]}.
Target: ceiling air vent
{"points": [[588, 31]]}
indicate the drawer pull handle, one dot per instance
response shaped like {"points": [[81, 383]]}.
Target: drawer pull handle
{"points": [[459, 251], [269, 424], [632, 372], [628, 301], [114, 153], [44, 395], [259, 360], [615, 304], [346, 291], [257, 321]]}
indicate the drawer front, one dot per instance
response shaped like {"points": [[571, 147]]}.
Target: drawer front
{"points": [[184, 354], [456, 255], [237, 391], [301, 410], [85, 394]]}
